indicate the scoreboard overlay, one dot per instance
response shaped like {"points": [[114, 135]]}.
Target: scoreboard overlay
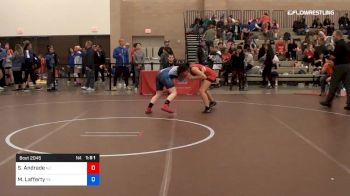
{"points": [[57, 169]]}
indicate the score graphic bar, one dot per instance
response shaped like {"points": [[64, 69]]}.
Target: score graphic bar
{"points": [[57, 170]]}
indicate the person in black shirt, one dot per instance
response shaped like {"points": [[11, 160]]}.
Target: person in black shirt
{"points": [[262, 53], [341, 57], [327, 21], [330, 29], [292, 50], [100, 59], [344, 22], [237, 61], [202, 53], [89, 59], [268, 67], [166, 45], [316, 23]]}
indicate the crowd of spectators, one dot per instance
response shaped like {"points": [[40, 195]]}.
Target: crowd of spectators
{"points": [[223, 40], [23, 69]]}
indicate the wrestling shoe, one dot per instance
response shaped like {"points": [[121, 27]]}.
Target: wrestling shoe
{"points": [[212, 104], [207, 110], [148, 110], [166, 108]]}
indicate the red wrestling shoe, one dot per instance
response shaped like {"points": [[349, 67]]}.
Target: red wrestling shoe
{"points": [[148, 110], [166, 108]]}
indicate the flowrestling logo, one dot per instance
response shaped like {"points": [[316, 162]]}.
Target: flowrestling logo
{"points": [[311, 12]]}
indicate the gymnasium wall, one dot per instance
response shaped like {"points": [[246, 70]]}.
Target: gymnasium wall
{"points": [[164, 18]]}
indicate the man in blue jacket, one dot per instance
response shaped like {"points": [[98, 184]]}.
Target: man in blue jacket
{"points": [[121, 56]]}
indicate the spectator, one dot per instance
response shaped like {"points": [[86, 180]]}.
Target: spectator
{"points": [[197, 20], [51, 63], [206, 22], [327, 21], [89, 65], [330, 29], [167, 45], [309, 54], [320, 48], [30, 62], [100, 59], [210, 35], [253, 25], [227, 34], [320, 60], [248, 61], [280, 47], [245, 34], [316, 23], [215, 60], [305, 43], [1, 77], [17, 63], [344, 22], [196, 24], [236, 31], [202, 53], [171, 61], [42, 65], [299, 26], [275, 28], [139, 59], [78, 67], [213, 20], [70, 61], [237, 61], [221, 23], [226, 56], [292, 50], [132, 55], [262, 53], [164, 58], [325, 75], [3, 55], [321, 37], [7, 64], [265, 19], [220, 46], [268, 67], [121, 56], [266, 27]]}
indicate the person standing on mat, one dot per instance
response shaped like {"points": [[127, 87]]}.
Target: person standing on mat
{"points": [[89, 62], [121, 56], [268, 67], [208, 76], [17, 64], [51, 63], [341, 57], [30, 63], [165, 79]]}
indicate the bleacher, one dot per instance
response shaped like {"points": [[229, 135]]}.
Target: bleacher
{"points": [[286, 69]]}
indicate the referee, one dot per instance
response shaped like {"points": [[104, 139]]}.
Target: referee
{"points": [[341, 58]]}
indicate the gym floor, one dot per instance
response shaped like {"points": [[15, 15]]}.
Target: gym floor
{"points": [[251, 144]]}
